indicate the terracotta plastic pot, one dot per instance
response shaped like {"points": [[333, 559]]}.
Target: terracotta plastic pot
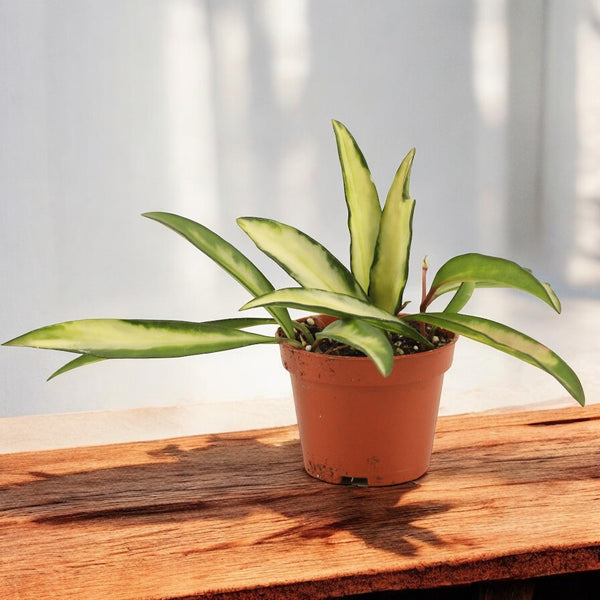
{"points": [[358, 427]]}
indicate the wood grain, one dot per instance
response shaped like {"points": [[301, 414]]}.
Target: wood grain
{"points": [[235, 516]]}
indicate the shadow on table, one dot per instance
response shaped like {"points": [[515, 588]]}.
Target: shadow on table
{"points": [[228, 479]]}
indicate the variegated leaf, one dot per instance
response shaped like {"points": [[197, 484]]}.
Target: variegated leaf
{"points": [[364, 210], [339, 305], [236, 323], [392, 252], [368, 339], [226, 256], [303, 258], [483, 271], [120, 338], [508, 340]]}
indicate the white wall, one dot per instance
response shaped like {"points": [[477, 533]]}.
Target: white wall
{"points": [[216, 109]]}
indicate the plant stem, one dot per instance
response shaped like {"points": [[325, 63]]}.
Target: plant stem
{"points": [[424, 281], [423, 291], [304, 332], [337, 349], [315, 346], [292, 342]]}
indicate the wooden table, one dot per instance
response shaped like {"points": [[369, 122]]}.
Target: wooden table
{"points": [[508, 496]]}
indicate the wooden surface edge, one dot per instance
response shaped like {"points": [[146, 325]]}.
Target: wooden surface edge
{"points": [[487, 419], [514, 568]]}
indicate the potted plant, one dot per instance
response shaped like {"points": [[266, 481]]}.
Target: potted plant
{"points": [[376, 370]]}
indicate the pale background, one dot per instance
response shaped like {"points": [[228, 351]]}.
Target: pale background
{"points": [[217, 109]]}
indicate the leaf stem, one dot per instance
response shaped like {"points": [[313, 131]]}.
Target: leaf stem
{"points": [[424, 282], [304, 332], [423, 306]]}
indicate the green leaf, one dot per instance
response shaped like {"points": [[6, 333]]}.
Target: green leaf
{"points": [[338, 305], [80, 361], [462, 296], [241, 322], [368, 339], [364, 210], [226, 256], [303, 258], [237, 323], [118, 338], [390, 267], [510, 341], [483, 270]]}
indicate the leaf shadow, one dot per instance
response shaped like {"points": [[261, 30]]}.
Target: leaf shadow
{"points": [[230, 478]]}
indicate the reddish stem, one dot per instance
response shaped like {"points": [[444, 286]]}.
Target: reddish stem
{"points": [[423, 291]]}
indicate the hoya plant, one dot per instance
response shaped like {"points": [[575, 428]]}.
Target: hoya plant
{"points": [[368, 298]]}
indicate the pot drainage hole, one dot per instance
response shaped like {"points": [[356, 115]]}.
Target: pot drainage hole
{"points": [[355, 481]]}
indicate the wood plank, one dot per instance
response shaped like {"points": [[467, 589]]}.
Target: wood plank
{"points": [[234, 515]]}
